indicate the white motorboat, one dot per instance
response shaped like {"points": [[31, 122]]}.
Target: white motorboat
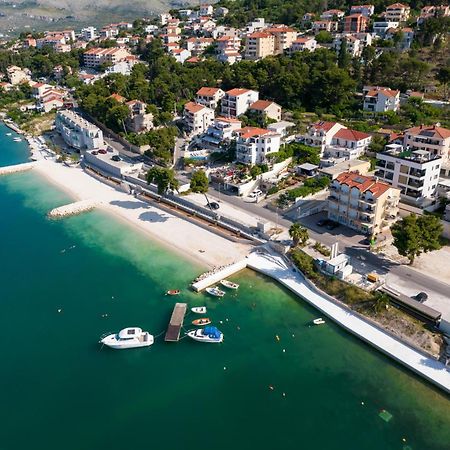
{"points": [[207, 334], [215, 291], [8, 134], [17, 139], [318, 321], [229, 284], [132, 337], [199, 310]]}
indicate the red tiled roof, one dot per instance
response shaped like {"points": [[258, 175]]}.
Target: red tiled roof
{"points": [[397, 5], [237, 91], [441, 132], [351, 135], [387, 92], [363, 183], [249, 132], [261, 105], [118, 98], [326, 126], [259, 35], [193, 107], [208, 91]]}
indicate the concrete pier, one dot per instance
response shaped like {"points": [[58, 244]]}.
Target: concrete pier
{"points": [[17, 168], [176, 322], [72, 209], [215, 275]]}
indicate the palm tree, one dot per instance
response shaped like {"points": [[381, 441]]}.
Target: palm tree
{"points": [[381, 303], [298, 234]]}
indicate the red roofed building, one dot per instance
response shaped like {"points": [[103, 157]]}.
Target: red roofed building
{"points": [[397, 12], [284, 37], [363, 203], [254, 144], [259, 44], [380, 99], [209, 96], [197, 117], [269, 110], [237, 101], [355, 23], [433, 139], [304, 43]]}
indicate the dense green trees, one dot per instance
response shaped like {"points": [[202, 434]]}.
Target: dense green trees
{"points": [[163, 178], [414, 235], [199, 182]]}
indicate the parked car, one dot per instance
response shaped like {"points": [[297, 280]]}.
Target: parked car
{"points": [[94, 152], [102, 151], [420, 297], [322, 222], [214, 205], [115, 158], [331, 225], [256, 193]]}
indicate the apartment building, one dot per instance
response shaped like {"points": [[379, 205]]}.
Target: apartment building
{"points": [[259, 44], [284, 37], [89, 34], [433, 139], [227, 49], [16, 75], [209, 96], [198, 45], [97, 56], [355, 23], [365, 10], [268, 109], [220, 131], [348, 144], [363, 203], [331, 13], [397, 12], [320, 134], [353, 45], [415, 172], [428, 12], [78, 132], [381, 27], [324, 25], [237, 101], [254, 144], [380, 99], [304, 43], [197, 117]]}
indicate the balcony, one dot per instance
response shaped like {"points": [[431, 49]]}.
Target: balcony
{"points": [[333, 198]]}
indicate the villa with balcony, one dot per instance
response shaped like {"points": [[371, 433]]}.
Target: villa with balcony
{"points": [[363, 203]]}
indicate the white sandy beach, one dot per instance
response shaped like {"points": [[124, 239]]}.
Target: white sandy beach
{"points": [[194, 242]]}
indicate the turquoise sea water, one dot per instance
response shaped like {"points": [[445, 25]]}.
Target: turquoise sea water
{"points": [[59, 389]]}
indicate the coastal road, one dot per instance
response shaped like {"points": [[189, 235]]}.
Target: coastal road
{"points": [[350, 242]]}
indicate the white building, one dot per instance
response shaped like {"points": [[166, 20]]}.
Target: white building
{"points": [[197, 117], [381, 27], [16, 75], [254, 144], [380, 99], [222, 130], [97, 56], [89, 33], [415, 172], [304, 43], [320, 134], [209, 96], [397, 12], [237, 101], [78, 132], [365, 10], [353, 44]]}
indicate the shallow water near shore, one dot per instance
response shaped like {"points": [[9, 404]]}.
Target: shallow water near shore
{"points": [[61, 390]]}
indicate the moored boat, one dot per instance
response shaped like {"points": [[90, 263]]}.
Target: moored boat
{"points": [[208, 334], [199, 310], [202, 321], [131, 337], [173, 292], [229, 284], [318, 321], [215, 291], [17, 139]]}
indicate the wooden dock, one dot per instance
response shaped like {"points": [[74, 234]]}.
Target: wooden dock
{"points": [[176, 322]]}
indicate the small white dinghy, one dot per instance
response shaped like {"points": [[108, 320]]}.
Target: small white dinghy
{"points": [[132, 337], [208, 334], [229, 284], [318, 321], [215, 292], [199, 310], [16, 139]]}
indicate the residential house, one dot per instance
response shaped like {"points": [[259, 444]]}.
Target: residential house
{"points": [[227, 48], [38, 89], [381, 27], [320, 134], [206, 10], [258, 24], [197, 45], [180, 54], [259, 44], [365, 10], [380, 99], [415, 172], [407, 36], [353, 44], [197, 117], [78, 132], [139, 120], [355, 23], [164, 18], [348, 144], [29, 43], [304, 43], [331, 14], [237, 101], [97, 56], [49, 101], [221, 131], [266, 108], [89, 34], [363, 203], [397, 12], [324, 25], [209, 96], [254, 144], [16, 75], [428, 12]]}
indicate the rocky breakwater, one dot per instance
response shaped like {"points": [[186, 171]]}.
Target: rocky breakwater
{"points": [[16, 168], [72, 209]]}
